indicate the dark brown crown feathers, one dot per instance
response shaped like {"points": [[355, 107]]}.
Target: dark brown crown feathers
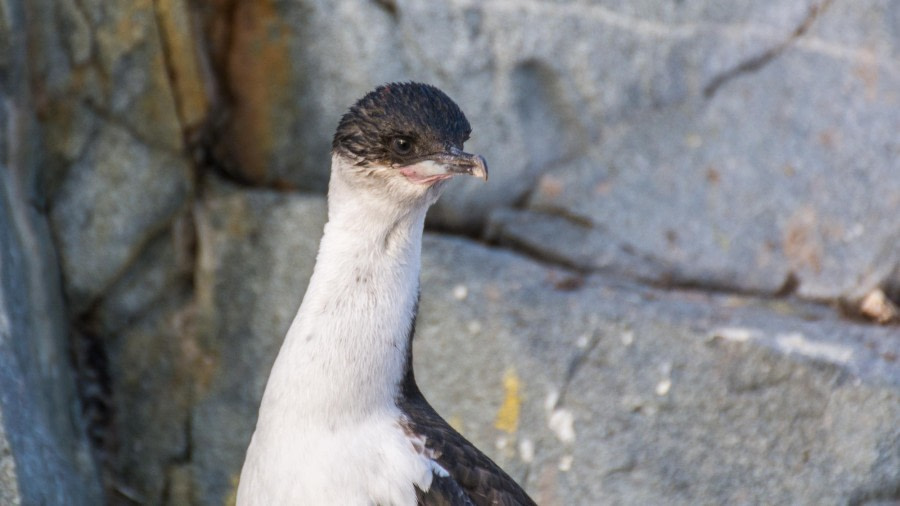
{"points": [[419, 114]]}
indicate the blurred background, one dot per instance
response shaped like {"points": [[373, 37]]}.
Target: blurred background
{"points": [[680, 285]]}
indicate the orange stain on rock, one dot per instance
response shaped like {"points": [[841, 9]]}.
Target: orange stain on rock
{"points": [[801, 241], [183, 63], [258, 74], [550, 187]]}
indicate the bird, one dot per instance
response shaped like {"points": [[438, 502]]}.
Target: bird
{"points": [[342, 420]]}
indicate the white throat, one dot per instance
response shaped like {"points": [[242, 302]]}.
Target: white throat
{"points": [[328, 418], [345, 352]]}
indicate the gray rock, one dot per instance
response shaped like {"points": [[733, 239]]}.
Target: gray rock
{"points": [[630, 395], [162, 269], [9, 483], [667, 120], [94, 63], [257, 251], [770, 178], [541, 81], [130, 58], [112, 168], [571, 241], [154, 366], [281, 127], [44, 453], [109, 206], [144, 325]]}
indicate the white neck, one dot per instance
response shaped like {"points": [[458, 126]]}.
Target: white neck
{"points": [[345, 353]]}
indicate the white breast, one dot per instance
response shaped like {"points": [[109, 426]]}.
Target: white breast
{"points": [[368, 463], [328, 431]]}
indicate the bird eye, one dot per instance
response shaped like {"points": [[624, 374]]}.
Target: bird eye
{"points": [[401, 145]]}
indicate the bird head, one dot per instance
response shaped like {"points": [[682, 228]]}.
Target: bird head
{"points": [[404, 140]]}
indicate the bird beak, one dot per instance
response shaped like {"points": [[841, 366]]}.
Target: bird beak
{"points": [[445, 165], [457, 161]]}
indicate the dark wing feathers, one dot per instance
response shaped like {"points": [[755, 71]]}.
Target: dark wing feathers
{"points": [[474, 478], [444, 491]]}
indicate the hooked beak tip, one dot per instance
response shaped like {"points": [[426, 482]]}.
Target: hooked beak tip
{"points": [[479, 167]]}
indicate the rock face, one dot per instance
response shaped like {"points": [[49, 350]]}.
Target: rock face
{"points": [[45, 457], [680, 286], [629, 120], [630, 395]]}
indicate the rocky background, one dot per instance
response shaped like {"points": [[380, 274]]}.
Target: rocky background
{"points": [[679, 287]]}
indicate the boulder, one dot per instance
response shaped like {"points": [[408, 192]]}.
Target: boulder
{"points": [[45, 455], [663, 125], [595, 390], [108, 208], [113, 171], [776, 174]]}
